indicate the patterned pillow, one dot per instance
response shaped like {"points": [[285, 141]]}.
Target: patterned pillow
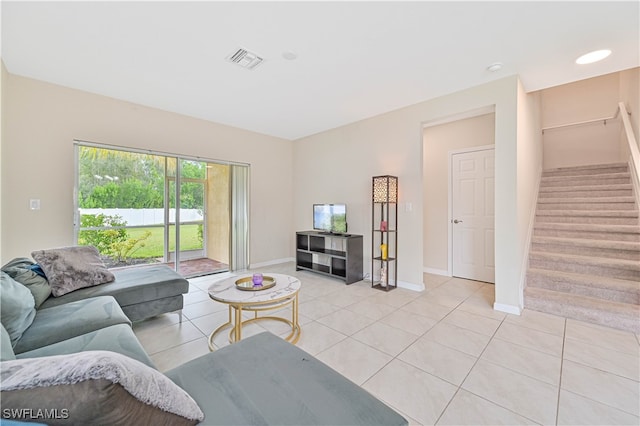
{"points": [[70, 268], [95, 387]]}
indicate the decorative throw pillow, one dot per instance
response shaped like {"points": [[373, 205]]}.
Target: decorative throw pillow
{"points": [[22, 270], [95, 387], [71, 268], [17, 307], [6, 350]]}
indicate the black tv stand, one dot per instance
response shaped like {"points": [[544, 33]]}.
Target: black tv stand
{"points": [[335, 255]]}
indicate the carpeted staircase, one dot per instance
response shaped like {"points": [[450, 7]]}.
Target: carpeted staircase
{"points": [[584, 261]]}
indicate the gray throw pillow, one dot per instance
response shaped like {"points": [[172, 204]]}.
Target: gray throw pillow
{"points": [[70, 268], [17, 307], [6, 350], [20, 269], [96, 387]]}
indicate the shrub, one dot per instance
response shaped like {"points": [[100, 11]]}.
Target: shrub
{"points": [[102, 239]]}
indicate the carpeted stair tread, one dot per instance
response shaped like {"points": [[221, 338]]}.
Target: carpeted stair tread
{"points": [[625, 316], [589, 213], [587, 285], [590, 170], [597, 200], [631, 265], [587, 180], [585, 242], [590, 227], [603, 187]]}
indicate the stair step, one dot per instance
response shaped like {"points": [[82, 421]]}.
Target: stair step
{"points": [[623, 291], [605, 267], [587, 170], [612, 217], [588, 231], [585, 180], [602, 203], [623, 316], [628, 250], [619, 190]]}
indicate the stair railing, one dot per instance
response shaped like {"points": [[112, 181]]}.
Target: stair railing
{"points": [[634, 152], [579, 123]]}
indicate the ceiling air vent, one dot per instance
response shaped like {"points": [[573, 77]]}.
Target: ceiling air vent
{"points": [[245, 59]]}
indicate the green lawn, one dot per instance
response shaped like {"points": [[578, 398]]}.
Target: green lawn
{"points": [[154, 245]]}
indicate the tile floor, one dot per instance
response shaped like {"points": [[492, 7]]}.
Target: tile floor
{"points": [[443, 356]]}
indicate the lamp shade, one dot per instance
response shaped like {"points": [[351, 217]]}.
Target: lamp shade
{"points": [[385, 189]]}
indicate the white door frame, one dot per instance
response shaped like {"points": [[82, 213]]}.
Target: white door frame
{"points": [[450, 198]]}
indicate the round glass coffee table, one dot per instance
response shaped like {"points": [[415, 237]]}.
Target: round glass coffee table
{"points": [[283, 293]]}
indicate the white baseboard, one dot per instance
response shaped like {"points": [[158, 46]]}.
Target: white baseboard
{"points": [[510, 309], [411, 286], [434, 271], [272, 262]]}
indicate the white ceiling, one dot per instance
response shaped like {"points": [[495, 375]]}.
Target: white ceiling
{"points": [[355, 59]]}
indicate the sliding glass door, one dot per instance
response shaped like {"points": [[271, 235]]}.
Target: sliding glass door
{"points": [[141, 208]]}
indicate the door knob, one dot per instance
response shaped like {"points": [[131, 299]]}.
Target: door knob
{"points": [[457, 221]]}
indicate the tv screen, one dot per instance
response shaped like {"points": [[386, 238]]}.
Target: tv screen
{"points": [[330, 218]]}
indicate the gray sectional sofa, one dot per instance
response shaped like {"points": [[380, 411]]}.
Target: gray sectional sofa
{"points": [[77, 361]]}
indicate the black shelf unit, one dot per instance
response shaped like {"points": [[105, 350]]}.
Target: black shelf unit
{"points": [[384, 220], [335, 255]]}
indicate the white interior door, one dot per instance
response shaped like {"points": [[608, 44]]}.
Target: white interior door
{"points": [[473, 215]]}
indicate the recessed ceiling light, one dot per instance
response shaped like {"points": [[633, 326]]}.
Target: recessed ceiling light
{"points": [[289, 55], [495, 67], [591, 57]]}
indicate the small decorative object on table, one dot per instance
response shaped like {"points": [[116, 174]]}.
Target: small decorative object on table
{"points": [[250, 283], [257, 279]]}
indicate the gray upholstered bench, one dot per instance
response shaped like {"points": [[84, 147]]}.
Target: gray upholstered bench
{"points": [[264, 380], [142, 292]]}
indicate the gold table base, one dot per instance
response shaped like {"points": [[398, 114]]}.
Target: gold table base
{"points": [[236, 322]]}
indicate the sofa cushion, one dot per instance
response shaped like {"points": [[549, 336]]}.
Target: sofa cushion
{"points": [[117, 338], [266, 380], [22, 270], [132, 286], [96, 387], [17, 307], [70, 268], [6, 351], [70, 320]]}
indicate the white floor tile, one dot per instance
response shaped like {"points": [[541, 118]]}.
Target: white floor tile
{"points": [[530, 362], [355, 360], [446, 363], [578, 410], [421, 395], [469, 409], [610, 389], [385, 338], [530, 338], [521, 394], [458, 338], [346, 322]]}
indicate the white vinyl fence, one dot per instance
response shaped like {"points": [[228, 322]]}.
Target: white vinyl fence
{"points": [[147, 217]]}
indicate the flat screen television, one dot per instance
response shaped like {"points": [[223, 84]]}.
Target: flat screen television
{"points": [[330, 218]]}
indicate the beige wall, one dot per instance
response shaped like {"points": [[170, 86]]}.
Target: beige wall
{"points": [[438, 142], [585, 100], [337, 166], [41, 121], [218, 212]]}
